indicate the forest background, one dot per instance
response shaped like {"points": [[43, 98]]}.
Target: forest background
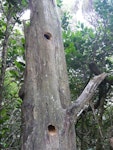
{"points": [[88, 50]]}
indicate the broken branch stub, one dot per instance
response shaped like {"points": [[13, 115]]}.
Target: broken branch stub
{"points": [[86, 95]]}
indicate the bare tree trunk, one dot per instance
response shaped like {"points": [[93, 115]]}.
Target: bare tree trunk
{"points": [[46, 83], [47, 117]]}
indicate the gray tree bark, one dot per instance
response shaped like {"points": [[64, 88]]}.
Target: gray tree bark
{"points": [[47, 114]]}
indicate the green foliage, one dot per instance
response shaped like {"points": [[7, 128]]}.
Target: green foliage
{"points": [[10, 120], [83, 46], [78, 55], [16, 47], [59, 3], [10, 110], [14, 9], [65, 20], [2, 28]]}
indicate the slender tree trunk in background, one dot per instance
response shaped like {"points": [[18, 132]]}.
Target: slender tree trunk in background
{"points": [[100, 138], [47, 116], [83, 144], [4, 58]]}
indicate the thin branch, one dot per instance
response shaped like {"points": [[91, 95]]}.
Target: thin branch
{"points": [[86, 95]]}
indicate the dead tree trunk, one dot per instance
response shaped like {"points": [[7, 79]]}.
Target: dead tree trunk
{"points": [[47, 116]]}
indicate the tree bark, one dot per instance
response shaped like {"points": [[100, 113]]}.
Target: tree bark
{"points": [[46, 91], [47, 118]]}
